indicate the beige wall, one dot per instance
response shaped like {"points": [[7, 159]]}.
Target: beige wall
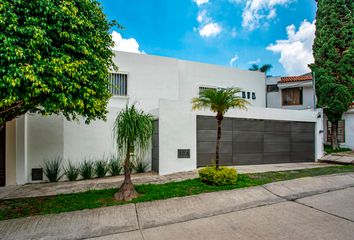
{"points": [[11, 153]]}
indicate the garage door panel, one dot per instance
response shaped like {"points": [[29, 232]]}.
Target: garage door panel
{"points": [[277, 126], [250, 125], [276, 157], [276, 147], [247, 158], [207, 159], [210, 123], [299, 147], [302, 156], [302, 137], [244, 136], [210, 135], [248, 147], [209, 147], [302, 127], [276, 137]]}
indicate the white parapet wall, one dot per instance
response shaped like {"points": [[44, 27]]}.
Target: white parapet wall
{"points": [[177, 130]]}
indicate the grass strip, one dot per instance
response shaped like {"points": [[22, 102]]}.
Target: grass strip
{"points": [[16, 208]]}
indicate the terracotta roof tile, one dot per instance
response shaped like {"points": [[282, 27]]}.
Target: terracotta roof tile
{"points": [[305, 77]]}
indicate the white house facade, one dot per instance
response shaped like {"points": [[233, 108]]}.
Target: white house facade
{"points": [[183, 139], [297, 92]]}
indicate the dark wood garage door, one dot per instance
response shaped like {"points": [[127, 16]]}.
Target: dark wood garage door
{"points": [[2, 156], [250, 141]]}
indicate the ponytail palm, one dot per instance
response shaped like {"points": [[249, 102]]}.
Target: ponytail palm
{"points": [[132, 132], [219, 101]]}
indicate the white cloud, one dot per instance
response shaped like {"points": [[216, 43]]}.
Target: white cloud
{"points": [[202, 16], [200, 2], [255, 61], [258, 11], [233, 60], [233, 32], [210, 30], [296, 51], [125, 45]]}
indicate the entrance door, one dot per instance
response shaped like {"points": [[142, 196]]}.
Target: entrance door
{"points": [[2, 156]]}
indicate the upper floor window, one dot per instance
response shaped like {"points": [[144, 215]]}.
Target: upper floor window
{"points": [[272, 88], [119, 84], [201, 89], [292, 96]]}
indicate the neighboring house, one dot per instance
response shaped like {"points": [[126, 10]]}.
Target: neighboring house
{"points": [[293, 92], [183, 139], [297, 92]]}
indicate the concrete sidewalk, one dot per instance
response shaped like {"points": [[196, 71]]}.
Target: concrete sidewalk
{"points": [[232, 211], [339, 158], [48, 189]]}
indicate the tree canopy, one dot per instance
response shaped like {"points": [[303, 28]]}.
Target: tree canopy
{"points": [[334, 57], [264, 68], [54, 58]]}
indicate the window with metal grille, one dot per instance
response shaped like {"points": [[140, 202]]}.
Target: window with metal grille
{"points": [[201, 89], [119, 84]]}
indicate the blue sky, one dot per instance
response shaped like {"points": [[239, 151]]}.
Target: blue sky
{"points": [[233, 33]]}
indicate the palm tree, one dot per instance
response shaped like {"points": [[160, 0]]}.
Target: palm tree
{"points": [[219, 101], [132, 131], [265, 68]]}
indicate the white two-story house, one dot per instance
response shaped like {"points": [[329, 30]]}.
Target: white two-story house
{"points": [[183, 139]]}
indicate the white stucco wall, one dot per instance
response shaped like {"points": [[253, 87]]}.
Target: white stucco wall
{"points": [[194, 75], [10, 153], [349, 129]]}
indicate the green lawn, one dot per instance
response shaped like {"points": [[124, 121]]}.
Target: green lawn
{"points": [[16, 208]]}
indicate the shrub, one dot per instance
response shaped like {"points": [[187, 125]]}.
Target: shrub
{"points": [[101, 168], [141, 166], [52, 169], [328, 149], [87, 170], [71, 171], [115, 166], [222, 176]]}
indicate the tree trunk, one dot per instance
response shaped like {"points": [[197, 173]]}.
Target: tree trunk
{"points": [[219, 118], [334, 135], [126, 191]]}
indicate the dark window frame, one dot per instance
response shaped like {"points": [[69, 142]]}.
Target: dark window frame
{"points": [[291, 92]]}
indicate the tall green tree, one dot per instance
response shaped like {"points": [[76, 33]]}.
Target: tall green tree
{"points": [[333, 50], [264, 68], [54, 57], [219, 101], [132, 131]]}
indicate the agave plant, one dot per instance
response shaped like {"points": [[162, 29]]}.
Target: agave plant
{"points": [[115, 166], [71, 171], [52, 169], [87, 169], [141, 166], [101, 168]]}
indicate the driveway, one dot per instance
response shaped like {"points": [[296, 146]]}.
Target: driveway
{"points": [[307, 208]]}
